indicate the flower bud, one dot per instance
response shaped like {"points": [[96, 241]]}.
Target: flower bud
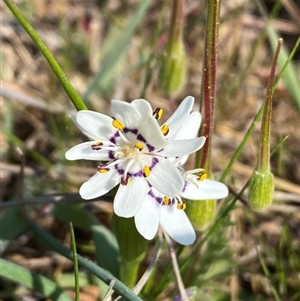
{"points": [[173, 71], [201, 213], [261, 190]]}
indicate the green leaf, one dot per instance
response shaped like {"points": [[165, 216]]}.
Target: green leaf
{"points": [[33, 281], [119, 287], [12, 224], [107, 250]]}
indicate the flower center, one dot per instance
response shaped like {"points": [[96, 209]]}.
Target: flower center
{"points": [[127, 151]]}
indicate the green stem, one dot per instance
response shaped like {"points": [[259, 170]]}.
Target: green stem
{"points": [[74, 96], [264, 150], [176, 24], [208, 89]]}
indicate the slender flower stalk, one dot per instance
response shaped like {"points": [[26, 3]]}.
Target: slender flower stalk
{"points": [[75, 98], [173, 71], [262, 182], [265, 134], [201, 213], [208, 89]]}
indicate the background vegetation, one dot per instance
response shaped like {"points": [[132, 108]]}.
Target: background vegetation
{"points": [[112, 50]]}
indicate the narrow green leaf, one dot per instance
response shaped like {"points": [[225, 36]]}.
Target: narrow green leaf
{"points": [[119, 287], [12, 223], [33, 281], [74, 250], [107, 250]]}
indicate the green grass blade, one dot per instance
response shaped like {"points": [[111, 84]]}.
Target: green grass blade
{"points": [[107, 250], [102, 274], [117, 49], [33, 281], [75, 260], [12, 223]]}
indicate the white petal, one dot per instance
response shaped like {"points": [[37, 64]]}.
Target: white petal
{"points": [[180, 115], [95, 125], [189, 129], [165, 177], [178, 148], [84, 151], [143, 107], [150, 133], [207, 190], [147, 218], [176, 223], [130, 197], [126, 113], [99, 184]]}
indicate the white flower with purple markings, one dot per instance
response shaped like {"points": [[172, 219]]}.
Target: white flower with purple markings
{"points": [[163, 210], [158, 209], [134, 150]]}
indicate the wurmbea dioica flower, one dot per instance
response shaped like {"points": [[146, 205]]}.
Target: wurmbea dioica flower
{"points": [[159, 209], [135, 151]]}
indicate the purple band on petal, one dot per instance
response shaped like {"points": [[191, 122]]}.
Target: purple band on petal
{"points": [[111, 155], [113, 138], [184, 187], [159, 199], [142, 138], [156, 198], [127, 130], [129, 174], [150, 147], [154, 162]]}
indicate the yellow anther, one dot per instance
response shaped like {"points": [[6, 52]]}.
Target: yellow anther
{"points": [[158, 112], [125, 181], [103, 169], [97, 145], [118, 124], [181, 206], [139, 145], [165, 129], [146, 171], [167, 201], [202, 176]]}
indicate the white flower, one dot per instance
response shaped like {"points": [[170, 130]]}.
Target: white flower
{"points": [[160, 210], [135, 150]]}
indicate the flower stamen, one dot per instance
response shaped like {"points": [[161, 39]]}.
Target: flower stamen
{"points": [[181, 205], [165, 129], [202, 176], [125, 180], [146, 171], [118, 124], [167, 200], [158, 112], [97, 145], [102, 169], [139, 146]]}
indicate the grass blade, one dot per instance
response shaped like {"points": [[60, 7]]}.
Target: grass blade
{"points": [[102, 274], [33, 281]]}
